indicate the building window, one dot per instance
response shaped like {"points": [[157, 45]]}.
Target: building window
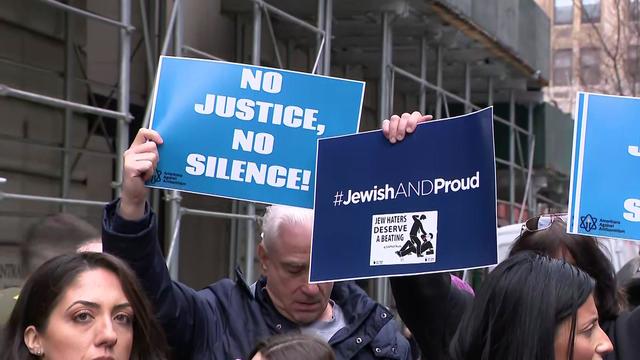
{"points": [[634, 10], [563, 11], [632, 63], [562, 67], [590, 11], [590, 66]]}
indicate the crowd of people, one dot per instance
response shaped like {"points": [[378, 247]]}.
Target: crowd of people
{"points": [[555, 297]]}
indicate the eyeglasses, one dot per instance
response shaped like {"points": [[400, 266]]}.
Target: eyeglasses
{"points": [[542, 222]]}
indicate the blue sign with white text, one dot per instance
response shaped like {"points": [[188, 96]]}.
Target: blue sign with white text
{"points": [[426, 204], [604, 198], [246, 132]]}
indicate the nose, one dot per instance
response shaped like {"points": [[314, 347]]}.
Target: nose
{"points": [[106, 335], [310, 289], [604, 345]]}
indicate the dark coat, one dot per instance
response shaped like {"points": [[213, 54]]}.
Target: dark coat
{"points": [[433, 319], [226, 319], [432, 309], [624, 333]]}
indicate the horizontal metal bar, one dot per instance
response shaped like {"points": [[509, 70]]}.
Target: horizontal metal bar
{"points": [[4, 195], [452, 95], [11, 139], [201, 53], [63, 104], [187, 211], [432, 86], [289, 17], [88, 14], [58, 74], [547, 200], [516, 166]]}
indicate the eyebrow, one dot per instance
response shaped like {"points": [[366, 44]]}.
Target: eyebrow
{"points": [[593, 320], [96, 306], [294, 264]]}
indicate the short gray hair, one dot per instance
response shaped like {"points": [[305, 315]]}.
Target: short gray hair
{"points": [[276, 215]]}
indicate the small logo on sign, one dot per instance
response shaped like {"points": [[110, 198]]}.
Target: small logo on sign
{"points": [[157, 177], [588, 223]]}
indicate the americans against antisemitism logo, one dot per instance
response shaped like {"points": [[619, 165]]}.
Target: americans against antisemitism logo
{"points": [[588, 222]]}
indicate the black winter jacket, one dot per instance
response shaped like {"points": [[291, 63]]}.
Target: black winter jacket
{"points": [[226, 319]]}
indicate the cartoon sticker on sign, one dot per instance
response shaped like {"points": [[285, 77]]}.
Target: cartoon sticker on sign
{"points": [[404, 238]]}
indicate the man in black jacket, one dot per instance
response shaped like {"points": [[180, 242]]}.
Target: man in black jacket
{"points": [[226, 319]]}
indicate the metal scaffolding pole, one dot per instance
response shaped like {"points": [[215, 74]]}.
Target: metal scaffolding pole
{"points": [[147, 44], [512, 156], [61, 104], [386, 98], [532, 139], [385, 73], [68, 114], [424, 48], [165, 48], [122, 24], [320, 38], [173, 214], [54, 200], [467, 88], [201, 53], [490, 92], [122, 134], [439, 81], [328, 17], [251, 207]]}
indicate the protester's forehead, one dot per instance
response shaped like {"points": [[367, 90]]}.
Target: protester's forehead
{"points": [[293, 237]]}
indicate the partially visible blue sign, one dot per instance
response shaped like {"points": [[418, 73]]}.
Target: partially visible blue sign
{"points": [[427, 204], [246, 132], [604, 197]]}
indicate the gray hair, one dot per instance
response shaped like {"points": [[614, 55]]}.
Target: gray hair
{"points": [[276, 215]]}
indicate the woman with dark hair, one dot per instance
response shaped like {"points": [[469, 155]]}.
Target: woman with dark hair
{"points": [[547, 234], [292, 347], [532, 307], [84, 305]]}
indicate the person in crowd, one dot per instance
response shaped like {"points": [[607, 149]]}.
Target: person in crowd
{"points": [[628, 279], [547, 234], [532, 307], [581, 251], [226, 319], [83, 306], [430, 305], [57, 234], [292, 347], [54, 235]]}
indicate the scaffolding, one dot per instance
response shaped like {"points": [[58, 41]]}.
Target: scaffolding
{"points": [[320, 43]]}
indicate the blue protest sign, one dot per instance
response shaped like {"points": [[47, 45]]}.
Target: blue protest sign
{"points": [[427, 204], [604, 197], [246, 132]]}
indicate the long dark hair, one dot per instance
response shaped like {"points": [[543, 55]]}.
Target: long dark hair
{"points": [[47, 284], [587, 255], [518, 308], [293, 346]]}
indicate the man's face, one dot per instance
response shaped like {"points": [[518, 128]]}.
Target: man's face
{"points": [[286, 266]]}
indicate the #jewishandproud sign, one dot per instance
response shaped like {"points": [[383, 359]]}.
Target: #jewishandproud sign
{"points": [[426, 204], [246, 132], [604, 197]]}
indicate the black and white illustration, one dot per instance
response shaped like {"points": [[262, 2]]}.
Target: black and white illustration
{"points": [[404, 238]]}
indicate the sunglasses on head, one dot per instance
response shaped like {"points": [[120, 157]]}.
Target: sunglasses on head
{"points": [[542, 222]]}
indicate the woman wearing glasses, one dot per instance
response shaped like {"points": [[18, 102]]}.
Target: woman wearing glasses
{"points": [[547, 234], [505, 323]]}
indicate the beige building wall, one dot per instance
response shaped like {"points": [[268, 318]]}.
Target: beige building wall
{"points": [[598, 56]]}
